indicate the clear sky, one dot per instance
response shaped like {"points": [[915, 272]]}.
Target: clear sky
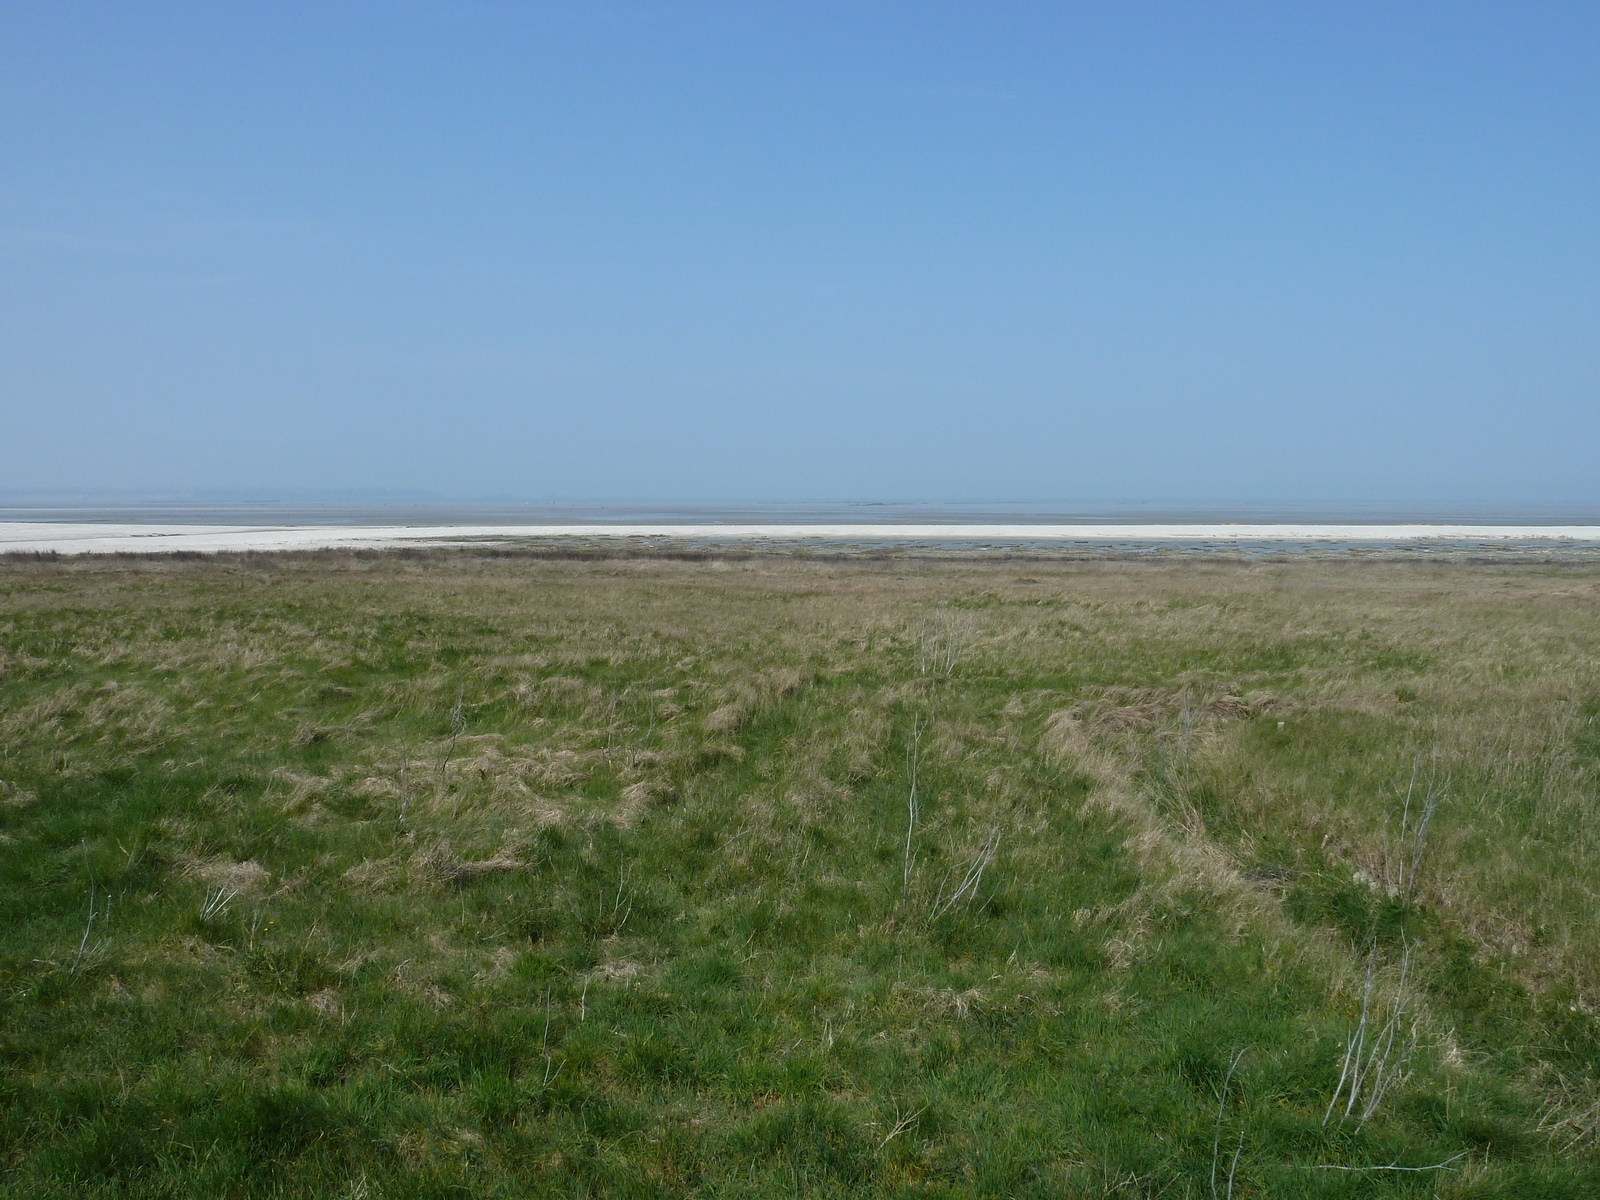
{"points": [[1121, 251]]}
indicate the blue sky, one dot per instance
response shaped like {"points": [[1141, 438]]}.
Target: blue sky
{"points": [[1176, 252]]}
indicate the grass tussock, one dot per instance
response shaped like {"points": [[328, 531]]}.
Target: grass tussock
{"points": [[409, 875]]}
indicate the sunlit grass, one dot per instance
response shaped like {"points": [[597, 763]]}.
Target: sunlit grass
{"points": [[415, 874]]}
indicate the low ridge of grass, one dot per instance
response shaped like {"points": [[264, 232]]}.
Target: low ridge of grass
{"points": [[413, 876]]}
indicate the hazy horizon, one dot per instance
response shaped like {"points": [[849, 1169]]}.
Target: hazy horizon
{"points": [[390, 508]]}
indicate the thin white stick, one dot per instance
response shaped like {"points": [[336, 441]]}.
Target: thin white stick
{"points": [[1438, 1166], [974, 876], [1216, 1141], [918, 725], [88, 925]]}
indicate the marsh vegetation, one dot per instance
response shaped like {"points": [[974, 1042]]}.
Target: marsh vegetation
{"points": [[387, 876]]}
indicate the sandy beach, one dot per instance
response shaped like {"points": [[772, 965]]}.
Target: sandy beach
{"points": [[87, 538]]}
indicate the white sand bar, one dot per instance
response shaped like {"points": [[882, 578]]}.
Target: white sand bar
{"points": [[63, 538]]}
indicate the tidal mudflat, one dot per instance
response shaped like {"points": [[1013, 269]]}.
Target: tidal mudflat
{"points": [[57, 537]]}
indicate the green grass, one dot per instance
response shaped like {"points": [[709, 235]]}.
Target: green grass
{"points": [[638, 924]]}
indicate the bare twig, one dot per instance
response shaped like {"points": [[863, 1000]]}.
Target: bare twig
{"points": [[1381, 1074], [1574, 1125], [1438, 1166], [216, 902], [544, 1045], [902, 1124], [405, 791], [1402, 863], [623, 896], [1419, 835], [1222, 1102], [939, 649], [914, 758], [1368, 1072], [970, 882], [88, 925], [458, 726], [1355, 1043]]}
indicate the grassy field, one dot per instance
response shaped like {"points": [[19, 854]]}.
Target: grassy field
{"points": [[392, 876]]}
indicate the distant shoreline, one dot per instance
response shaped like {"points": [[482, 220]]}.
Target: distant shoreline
{"points": [[151, 538], [290, 512]]}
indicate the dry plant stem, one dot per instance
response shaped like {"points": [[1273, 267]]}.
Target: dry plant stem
{"points": [[1394, 871], [902, 1124], [611, 719], [1438, 1166], [458, 725], [1222, 1102], [617, 902], [1356, 1043], [88, 925], [1365, 1069], [1573, 1128], [973, 878], [405, 795], [1400, 867], [1405, 817], [1429, 804], [544, 1044], [216, 903], [1380, 1073], [938, 651], [918, 726]]}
